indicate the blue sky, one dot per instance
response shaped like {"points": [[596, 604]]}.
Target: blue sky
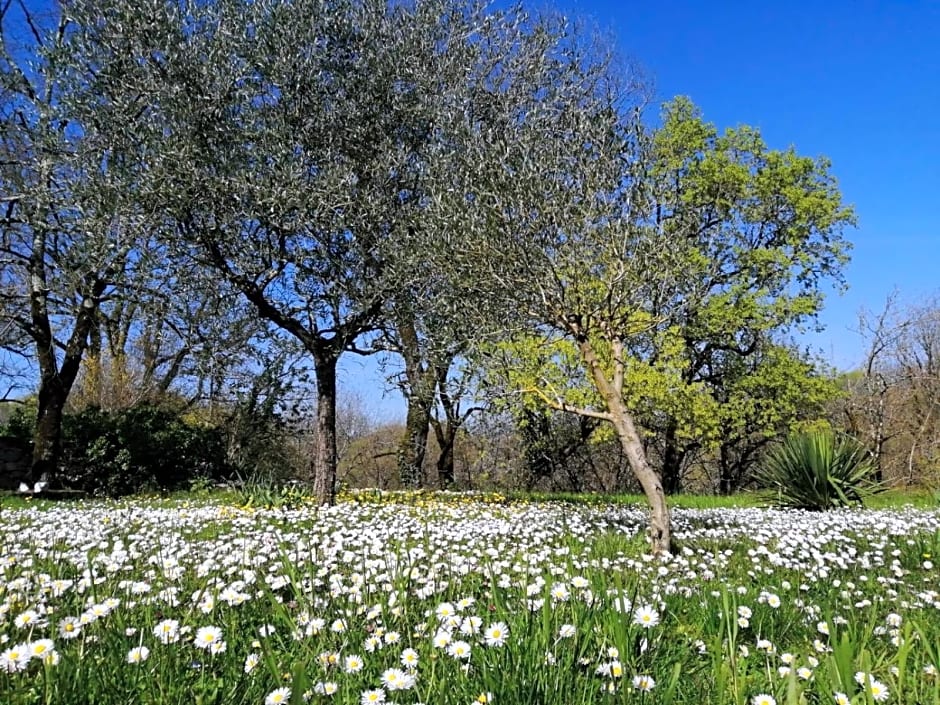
{"points": [[858, 82]]}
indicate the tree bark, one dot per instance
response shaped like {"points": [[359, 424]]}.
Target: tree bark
{"points": [[445, 464], [726, 480], [47, 438], [672, 460], [414, 442], [418, 386], [446, 434], [446, 431], [55, 381], [660, 528], [54, 387], [324, 458]]}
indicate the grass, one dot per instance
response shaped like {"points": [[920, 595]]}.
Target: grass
{"points": [[893, 498], [554, 601]]}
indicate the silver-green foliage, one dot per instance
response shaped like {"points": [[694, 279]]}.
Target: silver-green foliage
{"points": [[818, 471]]}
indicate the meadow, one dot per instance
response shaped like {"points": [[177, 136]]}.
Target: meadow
{"points": [[461, 599]]}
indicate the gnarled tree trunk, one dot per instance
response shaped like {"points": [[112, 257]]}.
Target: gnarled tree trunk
{"points": [[611, 391], [324, 457], [414, 441]]}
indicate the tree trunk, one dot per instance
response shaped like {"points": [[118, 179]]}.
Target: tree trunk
{"points": [[445, 465], [726, 479], [47, 438], [660, 523], [54, 387], [324, 459], [660, 529], [672, 460], [446, 434], [414, 442], [418, 386], [56, 381]]}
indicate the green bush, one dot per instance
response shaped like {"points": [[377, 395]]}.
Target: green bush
{"points": [[146, 447], [819, 471]]}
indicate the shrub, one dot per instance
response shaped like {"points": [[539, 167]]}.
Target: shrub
{"points": [[819, 470], [145, 447]]}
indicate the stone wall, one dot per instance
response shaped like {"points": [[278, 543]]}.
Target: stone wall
{"points": [[14, 463]]}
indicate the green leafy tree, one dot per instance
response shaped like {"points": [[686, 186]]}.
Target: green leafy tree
{"points": [[309, 151], [764, 229], [653, 269], [776, 392], [560, 247]]}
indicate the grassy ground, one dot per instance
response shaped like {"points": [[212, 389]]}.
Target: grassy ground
{"points": [[891, 498], [452, 599]]}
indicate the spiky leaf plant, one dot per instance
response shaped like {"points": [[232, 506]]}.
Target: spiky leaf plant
{"points": [[818, 471]]}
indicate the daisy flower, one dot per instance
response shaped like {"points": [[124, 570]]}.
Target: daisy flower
{"points": [[643, 683], [466, 603], [353, 663], [444, 611], [459, 650], [325, 688], [442, 638], [207, 636], [27, 619], [69, 628], [371, 697], [167, 631], [496, 634], [763, 699], [278, 696], [14, 659], [409, 658], [396, 679], [470, 625], [646, 617], [138, 654], [878, 690]]}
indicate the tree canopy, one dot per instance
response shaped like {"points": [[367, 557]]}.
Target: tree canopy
{"points": [[469, 181]]}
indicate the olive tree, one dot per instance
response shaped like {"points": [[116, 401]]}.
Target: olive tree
{"points": [[308, 151], [70, 220], [556, 242]]}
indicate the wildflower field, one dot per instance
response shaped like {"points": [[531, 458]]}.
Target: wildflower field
{"points": [[453, 600]]}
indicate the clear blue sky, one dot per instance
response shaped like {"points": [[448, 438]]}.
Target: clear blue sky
{"points": [[858, 82]]}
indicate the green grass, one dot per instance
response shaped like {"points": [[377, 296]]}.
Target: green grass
{"points": [[893, 498], [748, 594], [688, 501]]}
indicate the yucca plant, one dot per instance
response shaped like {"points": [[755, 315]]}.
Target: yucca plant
{"points": [[819, 470]]}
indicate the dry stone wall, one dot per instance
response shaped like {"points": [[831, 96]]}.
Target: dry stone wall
{"points": [[14, 463]]}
